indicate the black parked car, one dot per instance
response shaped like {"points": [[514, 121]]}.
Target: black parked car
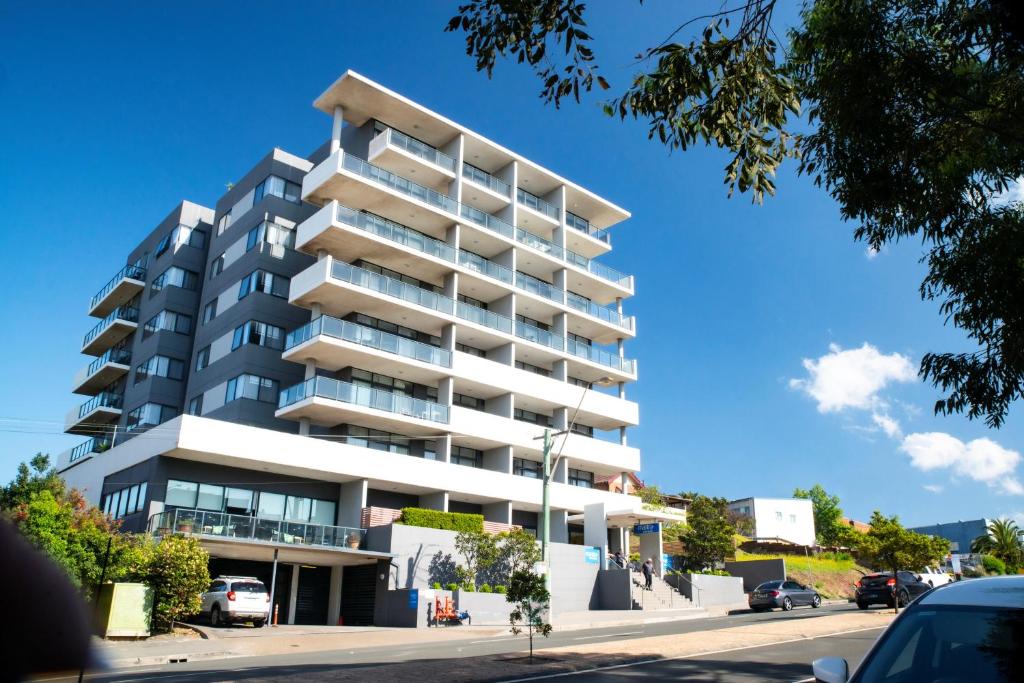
{"points": [[784, 594], [881, 588]]}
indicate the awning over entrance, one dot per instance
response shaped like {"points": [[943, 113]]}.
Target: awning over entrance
{"points": [[263, 551], [625, 519]]}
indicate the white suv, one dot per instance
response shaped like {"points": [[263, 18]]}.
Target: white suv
{"points": [[235, 599]]}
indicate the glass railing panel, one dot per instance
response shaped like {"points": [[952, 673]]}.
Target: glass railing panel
{"points": [[104, 399], [599, 269], [539, 243], [485, 267], [346, 392], [399, 184], [536, 203], [477, 315], [130, 271], [539, 336], [367, 336], [129, 313], [244, 527], [96, 444], [420, 149], [482, 177], [583, 225], [395, 232], [114, 355], [396, 288], [538, 287], [601, 357], [603, 312], [486, 220]]}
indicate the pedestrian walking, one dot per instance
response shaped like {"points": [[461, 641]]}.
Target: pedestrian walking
{"points": [[619, 560], [648, 570]]}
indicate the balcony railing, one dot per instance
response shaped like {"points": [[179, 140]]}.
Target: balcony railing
{"points": [[113, 355], [482, 177], [96, 444], [104, 399], [419, 149], [601, 357], [367, 336], [539, 287], [246, 528], [130, 271], [540, 244], [128, 313], [399, 184], [534, 202], [583, 225], [391, 287], [595, 268], [368, 397], [539, 336], [396, 232], [486, 267], [587, 306], [480, 316]]}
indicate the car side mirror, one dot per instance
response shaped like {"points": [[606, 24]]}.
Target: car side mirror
{"points": [[831, 670], [918, 577]]}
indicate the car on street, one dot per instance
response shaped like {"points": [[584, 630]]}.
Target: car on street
{"points": [[236, 599], [784, 594], [881, 589], [963, 631], [935, 576]]}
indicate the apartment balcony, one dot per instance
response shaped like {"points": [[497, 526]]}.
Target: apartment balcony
{"points": [[128, 282], [222, 525], [484, 191], [536, 214], [336, 344], [120, 323], [355, 182], [105, 408], [114, 363], [585, 239], [401, 154]]}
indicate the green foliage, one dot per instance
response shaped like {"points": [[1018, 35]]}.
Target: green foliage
{"points": [[713, 572], [1003, 540], [651, 495], [910, 122], [452, 586], [32, 478], [436, 585], [479, 551], [530, 600], [435, 519], [708, 538], [486, 588], [890, 547], [828, 516], [500, 589], [468, 587], [517, 551], [177, 571], [993, 565], [634, 557]]}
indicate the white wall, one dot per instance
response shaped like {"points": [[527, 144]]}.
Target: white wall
{"points": [[789, 518]]}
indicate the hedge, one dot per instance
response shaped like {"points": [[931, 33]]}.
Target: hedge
{"points": [[435, 519]]}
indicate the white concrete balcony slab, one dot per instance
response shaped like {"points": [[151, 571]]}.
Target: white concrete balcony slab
{"points": [[104, 409], [128, 282], [114, 363], [121, 322], [483, 191], [587, 241], [411, 158]]}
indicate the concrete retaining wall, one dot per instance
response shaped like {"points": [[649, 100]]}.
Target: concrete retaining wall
{"points": [[706, 590], [485, 609], [613, 587], [756, 572]]}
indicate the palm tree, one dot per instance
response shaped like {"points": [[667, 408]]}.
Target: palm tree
{"points": [[1003, 539]]}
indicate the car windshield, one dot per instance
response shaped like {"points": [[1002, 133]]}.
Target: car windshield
{"points": [[248, 587], [769, 585], [947, 644]]}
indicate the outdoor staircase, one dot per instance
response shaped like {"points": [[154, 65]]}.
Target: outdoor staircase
{"points": [[661, 596]]}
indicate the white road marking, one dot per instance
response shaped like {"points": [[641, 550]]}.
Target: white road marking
{"points": [[609, 635]]}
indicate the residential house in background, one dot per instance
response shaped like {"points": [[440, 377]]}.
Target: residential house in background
{"points": [[790, 520]]}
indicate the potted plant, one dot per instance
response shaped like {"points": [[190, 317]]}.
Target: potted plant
{"points": [[185, 526], [353, 540]]}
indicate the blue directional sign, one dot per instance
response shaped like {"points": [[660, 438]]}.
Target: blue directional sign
{"points": [[641, 529], [414, 598], [592, 556]]}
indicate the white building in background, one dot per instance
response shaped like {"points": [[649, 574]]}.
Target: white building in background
{"points": [[787, 519]]}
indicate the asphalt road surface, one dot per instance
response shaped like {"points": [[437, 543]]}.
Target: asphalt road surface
{"points": [[287, 666]]}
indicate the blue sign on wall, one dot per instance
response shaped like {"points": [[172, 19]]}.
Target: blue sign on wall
{"points": [[414, 598], [652, 528], [592, 556]]}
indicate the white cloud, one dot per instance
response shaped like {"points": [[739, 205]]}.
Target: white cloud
{"points": [[871, 253], [934, 488], [981, 459], [852, 378], [1014, 193], [888, 425]]}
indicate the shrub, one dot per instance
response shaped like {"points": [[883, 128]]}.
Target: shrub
{"points": [[634, 557], [177, 572], [452, 587], [468, 588], [993, 565], [713, 572], [486, 588], [500, 590], [435, 519], [436, 585]]}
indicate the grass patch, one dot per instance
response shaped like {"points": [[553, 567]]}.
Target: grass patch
{"points": [[832, 576]]}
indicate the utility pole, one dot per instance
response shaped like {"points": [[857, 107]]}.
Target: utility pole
{"points": [[545, 538]]}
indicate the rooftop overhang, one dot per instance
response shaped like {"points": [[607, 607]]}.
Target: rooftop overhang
{"points": [[261, 551], [627, 518]]}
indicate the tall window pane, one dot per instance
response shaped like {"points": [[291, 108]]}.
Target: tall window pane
{"points": [[211, 497], [181, 493]]}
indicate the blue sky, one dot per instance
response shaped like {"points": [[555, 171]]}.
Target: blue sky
{"points": [[115, 112]]}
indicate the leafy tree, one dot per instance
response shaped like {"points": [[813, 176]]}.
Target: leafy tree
{"points": [[1003, 539], [827, 514], [518, 551], [32, 477], [905, 111], [889, 546], [708, 538], [479, 550], [177, 571], [651, 495], [530, 600]]}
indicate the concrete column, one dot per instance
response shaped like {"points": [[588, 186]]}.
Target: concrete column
{"points": [[499, 459], [293, 593], [500, 512], [321, 254], [448, 337], [618, 305], [560, 326], [443, 448], [303, 426], [310, 369], [453, 236], [560, 370], [339, 116], [510, 174], [622, 390], [559, 526], [561, 473], [455, 148], [502, 406], [622, 435], [560, 419], [623, 481], [561, 282], [351, 501], [595, 529], [650, 547], [505, 306], [334, 596], [451, 286], [445, 389], [506, 354], [315, 311], [438, 500]]}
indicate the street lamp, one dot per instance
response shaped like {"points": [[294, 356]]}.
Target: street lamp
{"points": [[548, 470]]}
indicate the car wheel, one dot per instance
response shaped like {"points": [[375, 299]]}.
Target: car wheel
{"points": [[787, 604], [862, 605], [215, 617], [904, 598], [816, 601], [258, 623]]}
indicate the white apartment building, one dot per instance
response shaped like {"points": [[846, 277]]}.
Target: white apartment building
{"points": [[786, 519]]}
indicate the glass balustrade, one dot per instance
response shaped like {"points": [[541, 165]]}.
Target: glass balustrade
{"points": [[539, 336], [583, 225], [475, 314], [129, 313], [601, 357], [482, 177], [587, 306], [396, 232], [399, 184], [420, 149], [96, 444], [538, 287], [534, 202], [368, 397], [485, 266], [539, 243], [130, 271], [104, 399], [122, 356], [367, 336], [391, 287], [484, 219], [244, 527]]}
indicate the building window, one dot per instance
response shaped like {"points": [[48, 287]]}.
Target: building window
{"points": [[272, 234], [580, 341], [174, 277], [217, 266], [377, 440], [224, 222], [149, 415], [581, 478], [469, 457], [532, 417], [181, 235], [527, 468], [537, 370], [778, 516], [583, 430], [471, 350], [472, 302], [202, 358], [125, 501], [395, 275], [365, 378], [263, 281], [181, 493], [792, 519], [392, 328], [469, 402], [209, 311], [195, 406], [581, 382], [160, 366], [253, 387], [578, 222], [260, 334], [278, 187], [168, 320]]}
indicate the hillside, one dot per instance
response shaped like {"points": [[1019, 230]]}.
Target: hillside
{"points": [[833, 578]]}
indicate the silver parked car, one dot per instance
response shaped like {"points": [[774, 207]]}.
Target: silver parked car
{"points": [[970, 631], [784, 594], [234, 599]]}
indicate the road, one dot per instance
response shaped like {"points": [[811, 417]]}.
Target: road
{"points": [[309, 664]]}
